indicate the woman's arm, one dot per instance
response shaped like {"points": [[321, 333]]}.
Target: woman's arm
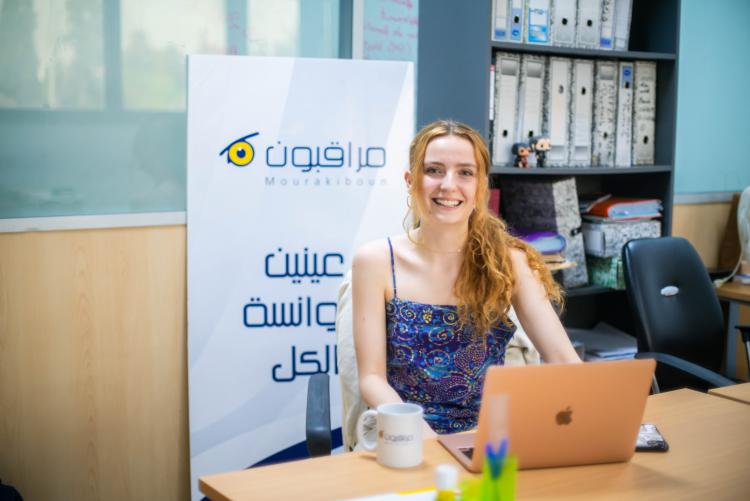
{"points": [[370, 270], [536, 314], [368, 317]]}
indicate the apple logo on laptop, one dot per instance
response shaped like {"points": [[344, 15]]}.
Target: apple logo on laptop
{"points": [[564, 417]]}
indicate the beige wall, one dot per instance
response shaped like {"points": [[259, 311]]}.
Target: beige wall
{"points": [[703, 225], [93, 379]]}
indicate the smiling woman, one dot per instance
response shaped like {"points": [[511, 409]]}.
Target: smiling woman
{"points": [[430, 307]]}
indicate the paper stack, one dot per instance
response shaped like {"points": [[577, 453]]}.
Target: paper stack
{"points": [[549, 244], [621, 208], [604, 342]]}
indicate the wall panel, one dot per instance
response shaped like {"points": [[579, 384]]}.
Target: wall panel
{"points": [[93, 379], [703, 225]]}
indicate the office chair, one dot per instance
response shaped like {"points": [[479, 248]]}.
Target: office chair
{"points": [[319, 436], [318, 416], [676, 312]]}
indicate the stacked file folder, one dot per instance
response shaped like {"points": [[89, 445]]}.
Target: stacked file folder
{"points": [[621, 208], [599, 113], [596, 24]]}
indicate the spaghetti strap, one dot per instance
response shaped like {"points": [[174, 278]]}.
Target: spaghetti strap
{"points": [[393, 268]]}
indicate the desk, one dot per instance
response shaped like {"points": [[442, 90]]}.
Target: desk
{"points": [[738, 392], [736, 294], [708, 458]]}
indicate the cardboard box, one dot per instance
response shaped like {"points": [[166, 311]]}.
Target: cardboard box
{"points": [[549, 204], [606, 239]]}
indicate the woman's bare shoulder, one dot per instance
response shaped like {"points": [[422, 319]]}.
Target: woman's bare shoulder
{"points": [[377, 253], [520, 262], [518, 257], [373, 253]]}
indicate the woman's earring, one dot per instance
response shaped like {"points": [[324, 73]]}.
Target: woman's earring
{"points": [[408, 201]]}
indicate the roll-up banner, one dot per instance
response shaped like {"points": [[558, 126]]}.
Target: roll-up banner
{"points": [[292, 164]]}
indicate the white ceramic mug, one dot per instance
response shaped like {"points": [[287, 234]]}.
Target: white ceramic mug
{"points": [[398, 439]]}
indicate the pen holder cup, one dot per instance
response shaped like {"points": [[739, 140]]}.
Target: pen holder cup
{"points": [[487, 488]]}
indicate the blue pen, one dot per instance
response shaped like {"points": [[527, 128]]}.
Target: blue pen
{"points": [[489, 457], [496, 459], [502, 452]]}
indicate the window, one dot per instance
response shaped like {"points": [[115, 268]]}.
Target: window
{"points": [[51, 54]]}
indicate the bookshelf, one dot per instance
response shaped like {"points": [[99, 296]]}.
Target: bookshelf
{"points": [[580, 171], [547, 50], [454, 57]]}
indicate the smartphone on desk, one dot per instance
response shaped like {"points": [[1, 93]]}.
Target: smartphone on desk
{"points": [[650, 440]]}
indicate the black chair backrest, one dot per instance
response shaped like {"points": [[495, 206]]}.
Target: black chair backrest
{"points": [[674, 303]]}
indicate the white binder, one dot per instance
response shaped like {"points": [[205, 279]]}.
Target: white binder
{"points": [[557, 110], [588, 23], [607, 36], [531, 93], [581, 112], [622, 24], [605, 112], [624, 114], [492, 92], [507, 72], [537, 21], [563, 23], [500, 20], [644, 112], [516, 20]]}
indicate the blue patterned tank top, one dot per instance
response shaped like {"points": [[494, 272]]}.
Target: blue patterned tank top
{"points": [[434, 362]]}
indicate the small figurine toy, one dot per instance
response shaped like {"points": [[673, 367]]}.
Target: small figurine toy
{"points": [[540, 146], [521, 151]]}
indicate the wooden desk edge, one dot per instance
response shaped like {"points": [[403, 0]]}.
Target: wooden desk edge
{"points": [[209, 491], [723, 393], [733, 291], [734, 399], [434, 454]]}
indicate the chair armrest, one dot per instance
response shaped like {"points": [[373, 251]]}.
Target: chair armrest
{"points": [[318, 416], [697, 371], [745, 331]]}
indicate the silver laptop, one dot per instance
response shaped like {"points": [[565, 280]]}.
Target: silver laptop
{"points": [[559, 414]]}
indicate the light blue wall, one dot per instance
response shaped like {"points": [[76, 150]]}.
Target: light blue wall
{"points": [[713, 103]]}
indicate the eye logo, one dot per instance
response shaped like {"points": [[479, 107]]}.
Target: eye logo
{"points": [[240, 152]]}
